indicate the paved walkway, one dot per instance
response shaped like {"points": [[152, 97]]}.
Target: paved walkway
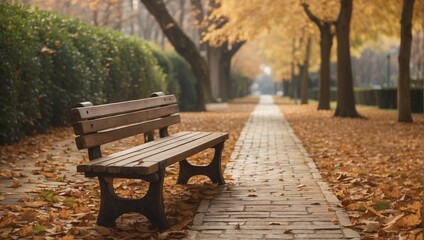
{"points": [[277, 191]]}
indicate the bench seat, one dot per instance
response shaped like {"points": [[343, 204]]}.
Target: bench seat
{"points": [[146, 158]]}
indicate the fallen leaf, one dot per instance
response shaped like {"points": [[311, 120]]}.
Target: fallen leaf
{"points": [[64, 213], [29, 216], [6, 221], [35, 204], [104, 231], [372, 226], [25, 231], [38, 228]]}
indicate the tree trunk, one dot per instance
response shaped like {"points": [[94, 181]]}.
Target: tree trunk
{"points": [[403, 92], [345, 98], [305, 74], [324, 82], [325, 48], [292, 68], [226, 81], [214, 63], [186, 48]]}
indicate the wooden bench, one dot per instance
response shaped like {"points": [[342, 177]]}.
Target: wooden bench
{"points": [[100, 124]]}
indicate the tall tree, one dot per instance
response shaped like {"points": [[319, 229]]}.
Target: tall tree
{"points": [[345, 98], [219, 57], [305, 73], [404, 81], [186, 48], [326, 42]]}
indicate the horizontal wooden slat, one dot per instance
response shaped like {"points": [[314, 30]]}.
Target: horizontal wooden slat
{"points": [[146, 160], [99, 124], [81, 113], [151, 164], [117, 166], [101, 163], [100, 138], [86, 167]]}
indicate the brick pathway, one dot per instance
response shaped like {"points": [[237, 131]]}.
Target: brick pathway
{"points": [[276, 192]]}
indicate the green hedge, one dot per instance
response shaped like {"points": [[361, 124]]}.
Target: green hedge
{"points": [[50, 62], [313, 94], [383, 98], [182, 73], [241, 85]]}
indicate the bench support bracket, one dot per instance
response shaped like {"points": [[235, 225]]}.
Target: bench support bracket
{"points": [[213, 170], [151, 205]]}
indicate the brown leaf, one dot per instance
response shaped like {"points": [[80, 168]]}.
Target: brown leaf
{"points": [[73, 231], [372, 226], [35, 204], [104, 231], [48, 174], [68, 237], [81, 209], [29, 216], [6, 221], [15, 184], [25, 231], [64, 214]]}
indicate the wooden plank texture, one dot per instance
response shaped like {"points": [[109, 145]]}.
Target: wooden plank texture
{"points": [[96, 139], [120, 107], [109, 163], [117, 166], [173, 155], [86, 167], [99, 124]]}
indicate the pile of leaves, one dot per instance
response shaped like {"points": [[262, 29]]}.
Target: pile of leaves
{"points": [[57, 203], [374, 165]]}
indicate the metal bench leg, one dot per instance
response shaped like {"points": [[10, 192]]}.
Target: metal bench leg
{"points": [[213, 170], [151, 205]]}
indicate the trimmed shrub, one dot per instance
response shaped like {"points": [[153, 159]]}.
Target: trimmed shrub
{"points": [[183, 74], [386, 98], [313, 93], [365, 96], [50, 62], [241, 85], [383, 98]]}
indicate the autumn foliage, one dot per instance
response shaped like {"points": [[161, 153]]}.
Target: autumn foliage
{"points": [[374, 165], [56, 202]]}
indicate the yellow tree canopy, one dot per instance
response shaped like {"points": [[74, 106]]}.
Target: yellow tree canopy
{"points": [[283, 20]]}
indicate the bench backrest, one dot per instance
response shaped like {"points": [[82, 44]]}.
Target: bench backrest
{"points": [[100, 124]]}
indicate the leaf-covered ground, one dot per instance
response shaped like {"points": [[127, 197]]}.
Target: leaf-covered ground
{"points": [[375, 166], [41, 196]]}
